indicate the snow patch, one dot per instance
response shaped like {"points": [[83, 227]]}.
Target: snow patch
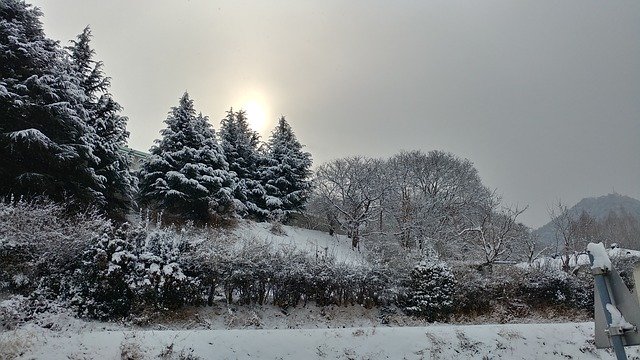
{"points": [[617, 319], [600, 257]]}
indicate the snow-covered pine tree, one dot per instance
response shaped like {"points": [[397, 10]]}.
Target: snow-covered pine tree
{"points": [[431, 291], [45, 143], [286, 176], [241, 147], [110, 127], [187, 176]]}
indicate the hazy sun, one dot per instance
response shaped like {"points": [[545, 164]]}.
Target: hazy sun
{"points": [[256, 104], [256, 115]]}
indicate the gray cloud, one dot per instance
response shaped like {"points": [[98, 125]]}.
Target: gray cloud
{"points": [[543, 96]]}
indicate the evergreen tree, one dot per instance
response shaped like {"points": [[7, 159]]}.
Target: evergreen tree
{"points": [[46, 146], [187, 175], [241, 147], [431, 291], [110, 127], [286, 176]]}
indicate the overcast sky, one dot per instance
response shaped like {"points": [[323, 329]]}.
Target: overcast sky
{"points": [[543, 96]]}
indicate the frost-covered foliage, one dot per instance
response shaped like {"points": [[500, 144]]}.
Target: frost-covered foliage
{"points": [[39, 238], [349, 193], [253, 272], [102, 281], [542, 287], [241, 147], [130, 271], [518, 291], [431, 291], [46, 145], [187, 175], [286, 173], [103, 115], [625, 266]]}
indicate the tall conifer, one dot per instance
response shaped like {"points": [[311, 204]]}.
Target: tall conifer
{"points": [[110, 127], [286, 175], [186, 175], [46, 146], [242, 149]]}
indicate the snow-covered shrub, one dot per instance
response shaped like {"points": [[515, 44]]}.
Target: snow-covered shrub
{"points": [[103, 283], [513, 292], [40, 241], [132, 270], [14, 344], [544, 287], [131, 349], [159, 282], [431, 291], [474, 292], [291, 275], [13, 312], [625, 265]]}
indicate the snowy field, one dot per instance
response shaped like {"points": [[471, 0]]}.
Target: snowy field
{"points": [[514, 341]]}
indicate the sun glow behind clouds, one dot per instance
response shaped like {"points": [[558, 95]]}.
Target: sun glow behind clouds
{"points": [[258, 113], [255, 115]]}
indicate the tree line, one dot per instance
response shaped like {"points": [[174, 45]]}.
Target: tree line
{"points": [[62, 135], [432, 202]]}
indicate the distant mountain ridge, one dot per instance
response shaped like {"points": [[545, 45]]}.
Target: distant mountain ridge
{"points": [[597, 207]]}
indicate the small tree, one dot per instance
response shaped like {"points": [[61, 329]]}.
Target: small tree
{"points": [[286, 175], [565, 234], [431, 291], [186, 174]]}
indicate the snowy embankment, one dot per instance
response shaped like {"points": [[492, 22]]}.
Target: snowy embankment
{"points": [[315, 243], [514, 341]]}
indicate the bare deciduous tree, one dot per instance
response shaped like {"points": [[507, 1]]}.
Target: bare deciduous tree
{"points": [[351, 188], [496, 232]]}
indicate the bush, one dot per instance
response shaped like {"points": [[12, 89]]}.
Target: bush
{"points": [[109, 272], [133, 270], [431, 291], [42, 239], [516, 291], [102, 288], [625, 266], [551, 287]]}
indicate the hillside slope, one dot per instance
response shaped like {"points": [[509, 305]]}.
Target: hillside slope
{"points": [[315, 243]]}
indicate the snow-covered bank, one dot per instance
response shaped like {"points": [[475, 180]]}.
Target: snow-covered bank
{"points": [[315, 243], [514, 341]]}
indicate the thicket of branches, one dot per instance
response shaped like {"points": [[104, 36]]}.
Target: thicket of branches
{"points": [[433, 202], [127, 271]]}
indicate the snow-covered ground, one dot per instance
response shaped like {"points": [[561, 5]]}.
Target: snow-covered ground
{"points": [[315, 243], [267, 332], [513, 341]]}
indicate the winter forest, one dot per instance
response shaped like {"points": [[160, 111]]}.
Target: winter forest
{"points": [[218, 226]]}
